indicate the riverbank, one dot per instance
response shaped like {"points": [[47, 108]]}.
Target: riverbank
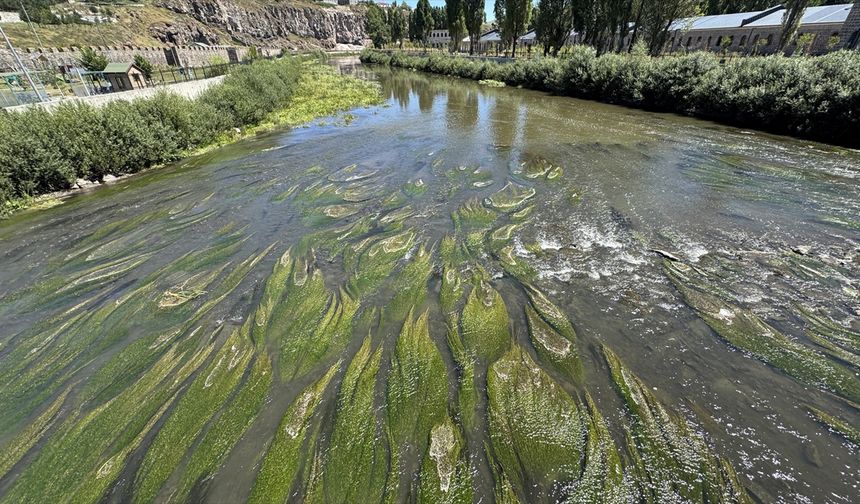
{"points": [[808, 97], [45, 153]]}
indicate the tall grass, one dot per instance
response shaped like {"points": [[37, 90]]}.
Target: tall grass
{"points": [[44, 151], [810, 97]]}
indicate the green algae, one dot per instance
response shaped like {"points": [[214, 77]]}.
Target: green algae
{"points": [[540, 167], [514, 265], [335, 212], [355, 446], [445, 473], [204, 397], [311, 323], [416, 188], [602, 478], [473, 215], [484, 323], [226, 431], [536, 429], [551, 313], [821, 327], [304, 319], [745, 330], [510, 198], [281, 464], [352, 173], [671, 460], [416, 394], [837, 425], [552, 347], [12, 451], [84, 456], [410, 286], [394, 220], [369, 261], [135, 358]]}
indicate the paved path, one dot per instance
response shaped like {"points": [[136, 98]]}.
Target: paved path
{"points": [[188, 89]]}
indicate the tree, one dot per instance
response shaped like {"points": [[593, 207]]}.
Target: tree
{"points": [[657, 18], [456, 22], [93, 60], [144, 64], [423, 21], [376, 25], [473, 13], [553, 22], [512, 17], [398, 22], [791, 21], [440, 16]]}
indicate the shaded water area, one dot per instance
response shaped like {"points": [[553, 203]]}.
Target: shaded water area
{"points": [[468, 294]]}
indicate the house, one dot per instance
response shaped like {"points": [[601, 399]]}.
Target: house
{"points": [[439, 38], [124, 76], [822, 29]]}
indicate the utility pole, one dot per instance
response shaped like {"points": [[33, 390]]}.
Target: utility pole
{"points": [[21, 64]]}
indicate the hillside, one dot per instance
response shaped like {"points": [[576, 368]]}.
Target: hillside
{"points": [[283, 24]]}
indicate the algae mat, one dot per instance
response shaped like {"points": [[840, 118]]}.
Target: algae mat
{"points": [[469, 295]]}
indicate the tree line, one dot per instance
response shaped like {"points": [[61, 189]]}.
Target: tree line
{"points": [[606, 25]]}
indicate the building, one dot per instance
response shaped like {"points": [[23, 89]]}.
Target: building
{"points": [[124, 76], [822, 29], [439, 38]]}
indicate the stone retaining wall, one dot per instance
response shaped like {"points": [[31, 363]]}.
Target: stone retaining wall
{"points": [[159, 56]]}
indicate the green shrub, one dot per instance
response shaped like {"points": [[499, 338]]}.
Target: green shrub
{"points": [[813, 97], [46, 151]]}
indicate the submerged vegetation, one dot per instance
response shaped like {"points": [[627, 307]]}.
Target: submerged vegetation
{"points": [[394, 336], [45, 151], [811, 97]]}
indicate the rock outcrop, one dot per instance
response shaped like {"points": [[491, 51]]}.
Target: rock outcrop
{"points": [[271, 24], [183, 33]]}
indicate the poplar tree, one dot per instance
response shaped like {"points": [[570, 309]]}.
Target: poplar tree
{"points": [[456, 22], [423, 21], [473, 12], [794, 10], [397, 19], [553, 22], [512, 17], [376, 25]]}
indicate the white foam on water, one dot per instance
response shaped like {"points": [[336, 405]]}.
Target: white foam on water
{"points": [[548, 243]]}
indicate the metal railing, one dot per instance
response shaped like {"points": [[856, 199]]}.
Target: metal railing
{"points": [[54, 85]]}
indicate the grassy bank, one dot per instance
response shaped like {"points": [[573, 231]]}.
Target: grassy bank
{"points": [[44, 152], [809, 97]]}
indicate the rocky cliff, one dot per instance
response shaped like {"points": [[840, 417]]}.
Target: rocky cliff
{"points": [[270, 24]]}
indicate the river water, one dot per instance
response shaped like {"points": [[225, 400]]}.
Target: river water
{"points": [[96, 292]]}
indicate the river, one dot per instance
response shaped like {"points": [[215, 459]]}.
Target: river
{"points": [[238, 316]]}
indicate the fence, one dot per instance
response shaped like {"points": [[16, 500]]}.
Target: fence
{"points": [[73, 82]]}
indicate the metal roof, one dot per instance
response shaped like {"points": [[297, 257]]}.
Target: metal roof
{"points": [[530, 35], [117, 67], [768, 17], [721, 21], [491, 36], [812, 15]]}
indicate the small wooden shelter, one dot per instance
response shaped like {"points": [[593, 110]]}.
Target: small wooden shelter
{"points": [[124, 76]]}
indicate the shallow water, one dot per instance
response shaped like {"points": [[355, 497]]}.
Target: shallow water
{"points": [[771, 224]]}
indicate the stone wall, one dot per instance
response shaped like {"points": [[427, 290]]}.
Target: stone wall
{"points": [[189, 56], [851, 28], [746, 40]]}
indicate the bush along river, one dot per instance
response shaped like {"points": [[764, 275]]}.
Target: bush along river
{"points": [[469, 294]]}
